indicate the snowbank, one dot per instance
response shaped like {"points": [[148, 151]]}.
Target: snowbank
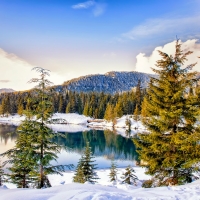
{"points": [[69, 118], [76, 119], [75, 191]]}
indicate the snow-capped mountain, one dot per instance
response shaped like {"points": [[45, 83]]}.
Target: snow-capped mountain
{"points": [[111, 82]]}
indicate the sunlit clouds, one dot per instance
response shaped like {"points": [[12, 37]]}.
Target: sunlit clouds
{"points": [[145, 63], [16, 72]]}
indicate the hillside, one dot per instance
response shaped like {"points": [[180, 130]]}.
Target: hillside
{"points": [[6, 90], [111, 82]]}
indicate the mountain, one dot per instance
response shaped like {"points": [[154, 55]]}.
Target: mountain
{"points": [[111, 82], [6, 90]]}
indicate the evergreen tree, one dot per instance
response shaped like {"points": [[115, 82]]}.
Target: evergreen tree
{"points": [[20, 109], [34, 149], [68, 108], [61, 104], [86, 110], [45, 149], [118, 110], [79, 176], [21, 157], [144, 113], [136, 113], [113, 172], [109, 113], [86, 167], [129, 177], [2, 178], [5, 106], [138, 96], [171, 149]]}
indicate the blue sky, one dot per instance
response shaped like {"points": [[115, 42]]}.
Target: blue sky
{"points": [[74, 38]]}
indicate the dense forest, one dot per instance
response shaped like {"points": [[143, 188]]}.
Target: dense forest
{"points": [[97, 105]]}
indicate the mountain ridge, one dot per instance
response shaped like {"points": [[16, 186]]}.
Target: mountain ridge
{"points": [[111, 82], [6, 90]]}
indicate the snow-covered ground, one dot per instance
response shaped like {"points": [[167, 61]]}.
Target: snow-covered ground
{"points": [[74, 122], [64, 189]]}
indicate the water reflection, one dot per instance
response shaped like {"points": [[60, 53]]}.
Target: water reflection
{"points": [[106, 145], [103, 143]]}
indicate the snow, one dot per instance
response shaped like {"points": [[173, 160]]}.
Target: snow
{"points": [[63, 188], [74, 122]]}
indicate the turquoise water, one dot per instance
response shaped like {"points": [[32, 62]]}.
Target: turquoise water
{"points": [[106, 146]]}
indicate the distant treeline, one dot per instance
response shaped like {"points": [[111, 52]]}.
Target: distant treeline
{"points": [[97, 105]]}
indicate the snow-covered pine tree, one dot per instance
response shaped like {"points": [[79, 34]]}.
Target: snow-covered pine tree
{"points": [[129, 177], [113, 172], [171, 149], [85, 169]]}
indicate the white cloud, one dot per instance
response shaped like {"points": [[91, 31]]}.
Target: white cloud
{"points": [[16, 72], [84, 5], [97, 8], [154, 27], [144, 63]]}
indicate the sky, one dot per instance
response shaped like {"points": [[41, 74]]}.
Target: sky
{"points": [[74, 38]]}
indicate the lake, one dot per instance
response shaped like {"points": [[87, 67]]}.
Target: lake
{"points": [[106, 146]]}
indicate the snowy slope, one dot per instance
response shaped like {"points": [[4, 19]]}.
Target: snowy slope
{"points": [[76, 191]]}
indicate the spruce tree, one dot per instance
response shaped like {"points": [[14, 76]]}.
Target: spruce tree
{"points": [[21, 157], [45, 148], [136, 113], [138, 96], [20, 109], [34, 150], [85, 169], [129, 177], [79, 176], [113, 172], [171, 148], [109, 113], [2, 175]]}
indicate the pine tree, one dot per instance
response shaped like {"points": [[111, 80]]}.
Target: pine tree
{"points": [[20, 109], [79, 176], [45, 150], [86, 110], [61, 104], [2, 174], [144, 113], [85, 169], [138, 96], [113, 172], [171, 149], [35, 149], [109, 113], [129, 177], [68, 108], [136, 113], [21, 157], [118, 110]]}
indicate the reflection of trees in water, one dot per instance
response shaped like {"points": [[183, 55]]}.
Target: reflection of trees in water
{"points": [[7, 131], [103, 143]]}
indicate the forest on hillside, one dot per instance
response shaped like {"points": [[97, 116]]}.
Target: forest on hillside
{"points": [[97, 105]]}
